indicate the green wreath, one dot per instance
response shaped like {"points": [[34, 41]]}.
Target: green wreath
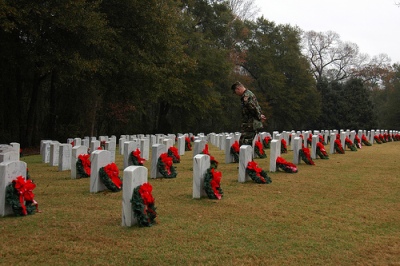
{"points": [[338, 146], [83, 165], [20, 197], [321, 152], [173, 153], [235, 151], [285, 165], [257, 174], [143, 206], [305, 156], [350, 144], [165, 167], [259, 150], [109, 176], [135, 159], [212, 187]]}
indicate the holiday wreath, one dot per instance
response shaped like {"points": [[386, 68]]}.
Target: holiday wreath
{"points": [[305, 156], [19, 195], [109, 175], [143, 205], [338, 146], [135, 158], [350, 144], [283, 146], [285, 165], [173, 152], [213, 162], [235, 151], [357, 142], [377, 139], [365, 140], [382, 138], [258, 148], [83, 165], [257, 174], [321, 152], [212, 184], [188, 145], [267, 142], [165, 167]]}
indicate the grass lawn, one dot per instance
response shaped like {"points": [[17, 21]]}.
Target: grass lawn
{"points": [[341, 211]]}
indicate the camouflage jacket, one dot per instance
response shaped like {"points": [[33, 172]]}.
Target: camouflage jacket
{"points": [[250, 108]]}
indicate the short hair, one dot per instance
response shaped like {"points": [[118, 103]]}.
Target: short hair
{"points": [[235, 85]]}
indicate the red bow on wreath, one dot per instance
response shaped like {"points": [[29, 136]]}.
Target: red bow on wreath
{"points": [[235, 146], [24, 189], [145, 192], [252, 165], [215, 182], [167, 161], [136, 154], [112, 171]]}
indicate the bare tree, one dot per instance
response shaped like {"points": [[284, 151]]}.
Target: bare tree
{"points": [[329, 57], [244, 9]]}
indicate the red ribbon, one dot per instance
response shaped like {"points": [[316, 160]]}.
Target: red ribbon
{"points": [[174, 151], [215, 182], [24, 189], [136, 154], [145, 192], [167, 161], [259, 147], [112, 172], [235, 146], [85, 162]]}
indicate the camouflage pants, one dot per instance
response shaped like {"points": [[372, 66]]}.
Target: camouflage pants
{"points": [[247, 134]]}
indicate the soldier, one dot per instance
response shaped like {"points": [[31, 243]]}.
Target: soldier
{"points": [[252, 117]]}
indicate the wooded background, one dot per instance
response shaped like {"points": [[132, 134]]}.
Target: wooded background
{"points": [[90, 68]]}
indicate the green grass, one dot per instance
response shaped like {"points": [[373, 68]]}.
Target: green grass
{"points": [[342, 211]]}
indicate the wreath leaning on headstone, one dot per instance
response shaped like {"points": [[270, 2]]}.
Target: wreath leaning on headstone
{"points": [[350, 144], [235, 151], [305, 156], [285, 165], [135, 159], [109, 175], [212, 184], [338, 146], [365, 140], [213, 161], [258, 149], [83, 165], [165, 167], [321, 152], [257, 174], [143, 205], [174, 154], [19, 195]]}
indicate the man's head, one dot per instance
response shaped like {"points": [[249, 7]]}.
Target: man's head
{"points": [[238, 88]]}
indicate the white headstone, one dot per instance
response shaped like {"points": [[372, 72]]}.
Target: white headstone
{"points": [[228, 144], [99, 159], [201, 163], [76, 151], [156, 151], [54, 153], [8, 172], [199, 146], [133, 177], [129, 147], [245, 156], [297, 146], [275, 152], [64, 157]]}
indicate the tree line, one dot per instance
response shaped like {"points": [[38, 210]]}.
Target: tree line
{"points": [[102, 67]]}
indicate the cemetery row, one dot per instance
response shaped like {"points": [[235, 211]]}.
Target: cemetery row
{"points": [[89, 157]]}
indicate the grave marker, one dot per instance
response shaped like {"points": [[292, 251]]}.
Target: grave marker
{"points": [[133, 177]]}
